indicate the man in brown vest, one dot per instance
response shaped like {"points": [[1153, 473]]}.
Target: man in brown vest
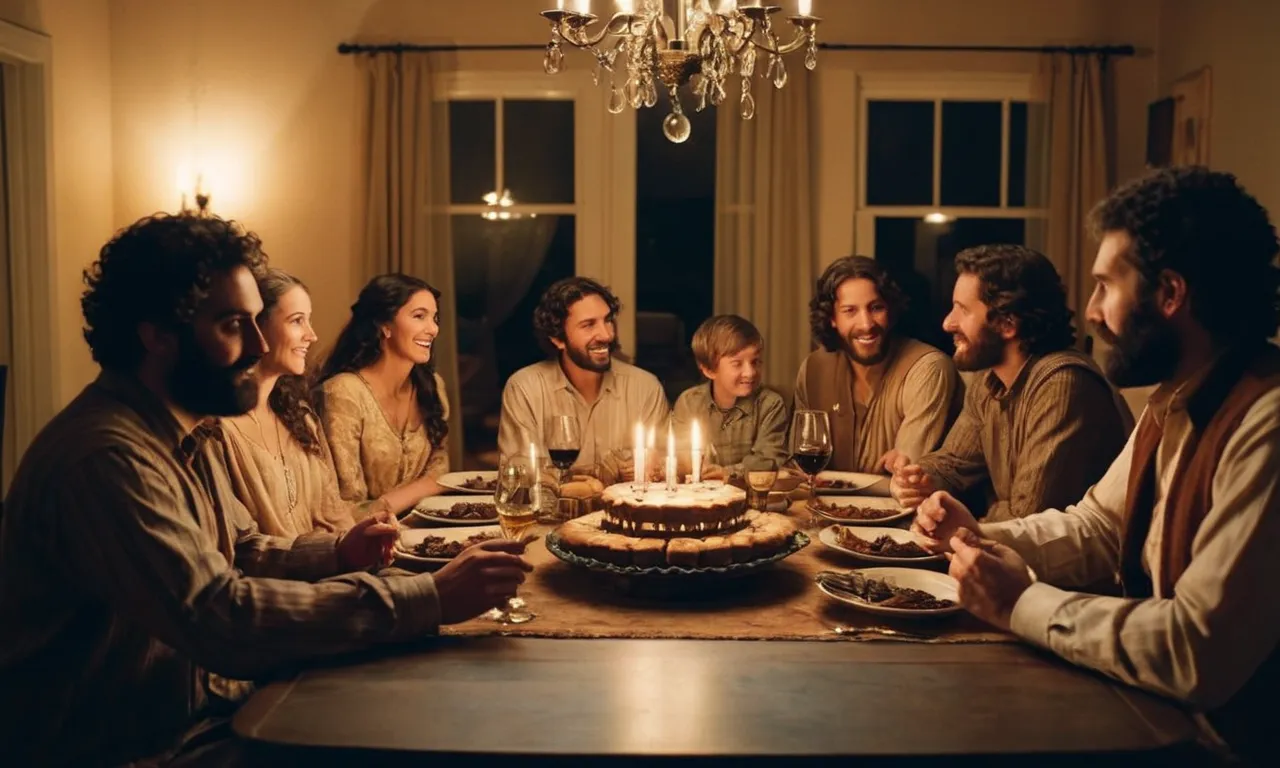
{"points": [[1041, 424], [1188, 516], [882, 391]]}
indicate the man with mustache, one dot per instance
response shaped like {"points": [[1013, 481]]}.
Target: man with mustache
{"points": [[1188, 516], [885, 394], [135, 591], [575, 325], [1042, 424]]}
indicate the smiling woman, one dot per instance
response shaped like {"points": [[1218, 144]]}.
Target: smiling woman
{"points": [[382, 404]]}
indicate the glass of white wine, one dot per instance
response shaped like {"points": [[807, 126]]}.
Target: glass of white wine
{"points": [[526, 498], [762, 473]]}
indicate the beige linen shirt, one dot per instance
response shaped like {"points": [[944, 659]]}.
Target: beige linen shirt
{"points": [[369, 457], [258, 479], [135, 589], [628, 395], [1201, 644]]}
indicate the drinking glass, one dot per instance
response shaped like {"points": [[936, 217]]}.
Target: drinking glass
{"points": [[761, 472], [564, 441], [526, 499], [811, 446]]}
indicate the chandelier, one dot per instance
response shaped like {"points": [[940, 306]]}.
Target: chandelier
{"points": [[695, 44]]}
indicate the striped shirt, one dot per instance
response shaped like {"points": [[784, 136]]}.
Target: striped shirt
{"points": [[135, 590]]}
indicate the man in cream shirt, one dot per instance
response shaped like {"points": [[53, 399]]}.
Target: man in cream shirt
{"points": [[575, 324], [1187, 519]]}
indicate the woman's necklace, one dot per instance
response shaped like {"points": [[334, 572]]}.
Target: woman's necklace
{"points": [[290, 484]]}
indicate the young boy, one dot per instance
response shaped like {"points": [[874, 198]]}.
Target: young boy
{"points": [[737, 417]]}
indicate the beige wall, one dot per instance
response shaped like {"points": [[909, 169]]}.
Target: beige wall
{"points": [[1237, 39]]}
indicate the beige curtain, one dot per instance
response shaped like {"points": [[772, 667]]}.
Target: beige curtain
{"points": [[764, 225], [404, 173], [1079, 174]]}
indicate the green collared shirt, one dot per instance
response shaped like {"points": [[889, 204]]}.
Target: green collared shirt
{"points": [[752, 426]]}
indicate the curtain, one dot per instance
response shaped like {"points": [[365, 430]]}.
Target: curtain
{"points": [[516, 251], [764, 262], [1079, 167], [404, 175]]}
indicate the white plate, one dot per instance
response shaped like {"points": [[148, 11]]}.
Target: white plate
{"points": [[454, 480], [412, 537], [877, 502], [428, 509], [828, 537], [940, 585], [861, 481]]}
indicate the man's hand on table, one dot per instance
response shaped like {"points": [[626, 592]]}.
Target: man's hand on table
{"points": [[368, 544], [910, 485], [482, 577], [992, 577], [939, 518]]}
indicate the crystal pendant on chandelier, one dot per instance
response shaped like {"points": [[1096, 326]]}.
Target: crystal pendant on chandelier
{"points": [[676, 128], [553, 58], [811, 56], [616, 103]]}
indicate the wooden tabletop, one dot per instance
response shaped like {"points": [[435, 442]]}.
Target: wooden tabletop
{"points": [[541, 698]]}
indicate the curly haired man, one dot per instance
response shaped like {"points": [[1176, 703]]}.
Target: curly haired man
{"points": [[575, 324], [1042, 424]]}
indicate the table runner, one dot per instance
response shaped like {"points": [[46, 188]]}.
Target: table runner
{"points": [[779, 602]]}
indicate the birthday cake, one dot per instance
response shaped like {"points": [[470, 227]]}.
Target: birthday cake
{"points": [[760, 535], [688, 510]]}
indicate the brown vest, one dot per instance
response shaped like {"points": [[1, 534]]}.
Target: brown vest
{"points": [[828, 386], [1216, 410]]}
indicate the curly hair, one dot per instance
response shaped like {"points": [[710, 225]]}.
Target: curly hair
{"points": [[1022, 284], [1204, 226], [157, 270], [822, 307], [289, 399], [553, 309], [359, 344]]}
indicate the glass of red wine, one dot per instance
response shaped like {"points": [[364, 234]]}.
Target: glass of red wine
{"points": [[811, 444], [564, 441]]}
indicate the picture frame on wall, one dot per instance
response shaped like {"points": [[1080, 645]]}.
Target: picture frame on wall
{"points": [[1193, 100]]}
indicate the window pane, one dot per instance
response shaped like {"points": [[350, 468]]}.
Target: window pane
{"points": [[971, 153], [921, 258], [537, 150], [472, 150], [1017, 153], [899, 153], [501, 269]]}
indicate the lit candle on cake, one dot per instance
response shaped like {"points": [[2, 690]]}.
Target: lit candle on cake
{"points": [[648, 450], [536, 490], [671, 459], [637, 454], [695, 441]]}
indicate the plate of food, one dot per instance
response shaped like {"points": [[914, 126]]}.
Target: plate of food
{"points": [[437, 546], [457, 510], [905, 592], [859, 510], [879, 545], [479, 481], [831, 482]]}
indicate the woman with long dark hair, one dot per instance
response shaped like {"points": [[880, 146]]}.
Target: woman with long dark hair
{"points": [[382, 404], [277, 454]]}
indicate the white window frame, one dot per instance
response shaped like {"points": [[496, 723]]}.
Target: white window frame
{"points": [[604, 174], [937, 87]]}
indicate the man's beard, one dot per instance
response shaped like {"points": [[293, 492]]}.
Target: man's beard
{"points": [[1145, 351], [986, 351], [582, 358], [882, 348], [203, 389]]}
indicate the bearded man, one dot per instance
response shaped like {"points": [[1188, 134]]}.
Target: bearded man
{"points": [[1042, 424], [575, 323], [886, 395], [1186, 516]]}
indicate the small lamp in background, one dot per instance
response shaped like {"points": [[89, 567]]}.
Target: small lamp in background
{"points": [[200, 196]]}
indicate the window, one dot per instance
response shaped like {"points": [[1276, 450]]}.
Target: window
{"points": [[947, 163]]}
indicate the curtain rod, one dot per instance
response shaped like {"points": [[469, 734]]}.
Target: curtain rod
{"points": [[1096, 50]]}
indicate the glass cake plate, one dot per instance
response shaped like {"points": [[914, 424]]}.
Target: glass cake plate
{"points": [[797, 542]]}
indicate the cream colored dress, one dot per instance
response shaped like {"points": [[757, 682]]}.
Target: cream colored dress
{"points": [[369, 455], [258, 478]]}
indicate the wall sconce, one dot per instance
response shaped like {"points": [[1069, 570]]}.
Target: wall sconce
{"points": [[199, 195]]}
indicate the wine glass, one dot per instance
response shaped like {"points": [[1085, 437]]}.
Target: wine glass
{"points": [[564, 441], [525, 498], [811, 445], [762, 473]]}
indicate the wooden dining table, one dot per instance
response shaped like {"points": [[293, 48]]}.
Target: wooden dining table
{"points": [[767, 670]]}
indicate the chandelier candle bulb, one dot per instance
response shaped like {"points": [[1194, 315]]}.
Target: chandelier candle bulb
{"points": [[806, 7]]}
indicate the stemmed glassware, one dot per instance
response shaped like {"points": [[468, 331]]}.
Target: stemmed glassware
{"points": [[811, 444], [526, 498], [564, 441]]}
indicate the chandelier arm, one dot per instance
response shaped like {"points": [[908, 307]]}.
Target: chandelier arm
{"points": [[796, 43], [743, 40], [618, 24]]}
